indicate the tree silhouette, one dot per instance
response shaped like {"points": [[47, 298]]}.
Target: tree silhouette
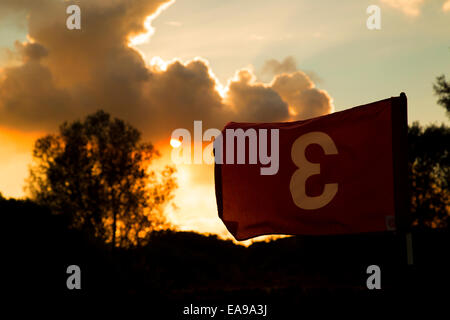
{"points": [[442, 90], [429, 165], [97, 172]]}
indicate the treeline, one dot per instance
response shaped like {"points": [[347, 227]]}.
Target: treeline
{"points": [[38, 246]]}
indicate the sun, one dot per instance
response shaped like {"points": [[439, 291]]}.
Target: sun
{"points": [[175, 143]]}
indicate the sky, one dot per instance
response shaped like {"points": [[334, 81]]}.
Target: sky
{"points": [[161, 65]]}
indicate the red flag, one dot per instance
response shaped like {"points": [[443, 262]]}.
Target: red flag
{"points": [[336, 174]]}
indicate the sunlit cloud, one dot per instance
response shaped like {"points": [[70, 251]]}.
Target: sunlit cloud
{"points": [[153, 94], [408, 7], [412, 7], [158, 63], [446, 6], [144, 37]]}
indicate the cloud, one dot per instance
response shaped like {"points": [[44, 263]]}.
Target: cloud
{"points": [[28, 95], [180, 94], [412, 7], [304, 99], [446, 6], [66, 74], [255, 102], [60, 75], [31, 51], [408, 7], [174, 23], [273, 67]]}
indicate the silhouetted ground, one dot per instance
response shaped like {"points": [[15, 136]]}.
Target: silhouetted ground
{"points": [[179, 268]]}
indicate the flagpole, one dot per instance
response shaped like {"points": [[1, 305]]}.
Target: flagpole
{"points": [[401, 174], [409, 249]]}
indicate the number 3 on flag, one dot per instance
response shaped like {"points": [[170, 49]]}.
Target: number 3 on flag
{"points": [[307, 169]]}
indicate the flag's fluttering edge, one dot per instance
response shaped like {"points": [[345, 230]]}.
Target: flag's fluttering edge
{"points": [[340, 173]]}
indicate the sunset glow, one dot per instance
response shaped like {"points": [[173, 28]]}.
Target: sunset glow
{"points": [[169, 64], [175, 143]]}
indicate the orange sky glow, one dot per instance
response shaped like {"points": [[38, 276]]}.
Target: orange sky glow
{"points": [[165, 90]]}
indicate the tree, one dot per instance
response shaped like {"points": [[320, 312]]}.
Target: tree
{"points": [[97, 172], [429, 165], [442, 90]]}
